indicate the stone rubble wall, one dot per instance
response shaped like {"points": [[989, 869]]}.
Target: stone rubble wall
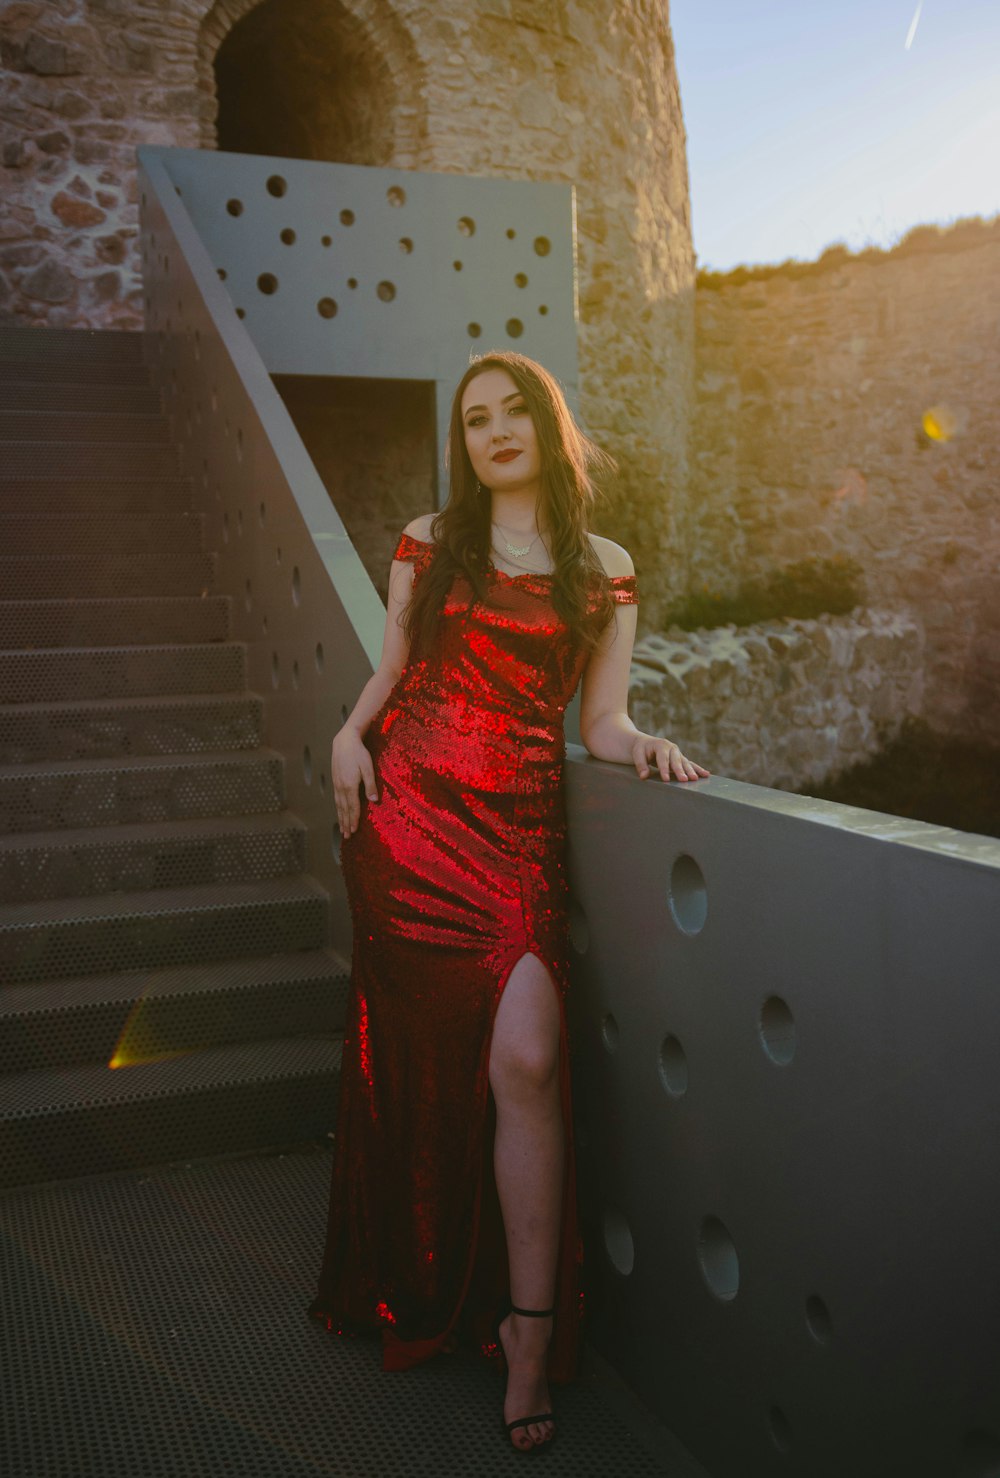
{"points": [[784, 703], [808, 439]]}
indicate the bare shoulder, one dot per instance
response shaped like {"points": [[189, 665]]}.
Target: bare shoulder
{"points": [[420, 528], [615, 559]]}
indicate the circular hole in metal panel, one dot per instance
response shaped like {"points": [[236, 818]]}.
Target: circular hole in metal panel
{"points": [[818, 1320], [322, 781], [234, 207], [457, 266], [275, 670], [467, 226], [618, 1242], [262, 514], [307, 765], [241, 313], [326, 240], [511, 233], [717, 1259], [542, 309], [320, 656], [474, 330], [520, 279], [296, 586], [277, 554], [688, 896], [352, 282], [386, 291], [609, 1032], [326, 308], [396, 195], [542, 246], [267, 283], [673, 1066], [777, 1030], [222, 273], [779, 1428], [277, 185], [405, 245], [515, 328], [295, 674], [347, 218], [288, 236]]}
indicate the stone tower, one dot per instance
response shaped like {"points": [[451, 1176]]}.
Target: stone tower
{"points": [[567, 90]]}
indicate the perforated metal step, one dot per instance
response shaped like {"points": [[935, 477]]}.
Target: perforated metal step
{"points": [[185, 724], [49, 794], [88, 459], [72, 371], [44, 577], [65, 673], [28, 395], [96, 495], [85, 347], [128, 428], [98, 534], [139, 1014], [95, 861], [133, 621], [135, 931], [199, 1103]]}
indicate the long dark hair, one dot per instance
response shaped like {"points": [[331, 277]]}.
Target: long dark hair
{"points": [[581, 593]]}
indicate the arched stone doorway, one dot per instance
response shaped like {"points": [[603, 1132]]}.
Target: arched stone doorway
{"points": [[338, 81], [310, 79]]}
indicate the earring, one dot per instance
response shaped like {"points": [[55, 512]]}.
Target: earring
{"points": [[480, 488]]}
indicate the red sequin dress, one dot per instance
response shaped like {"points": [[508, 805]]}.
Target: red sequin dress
{"points": [[454, 874]]}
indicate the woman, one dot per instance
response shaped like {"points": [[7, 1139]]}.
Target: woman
{"points": [[453, 1196]]}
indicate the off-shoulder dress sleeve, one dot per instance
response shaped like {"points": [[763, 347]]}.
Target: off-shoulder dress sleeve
{"points": [[417, 552], [624, 590]]}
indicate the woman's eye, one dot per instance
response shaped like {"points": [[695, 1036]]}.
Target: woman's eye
{"points": [[476, 421], [519, 410]]}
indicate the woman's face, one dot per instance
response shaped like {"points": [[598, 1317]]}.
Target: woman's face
{"points": [[499, 433]]}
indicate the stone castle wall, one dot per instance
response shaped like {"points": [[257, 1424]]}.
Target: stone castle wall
{"points": [[809, 439], [552, 90], [796, 430], [785, 703]]}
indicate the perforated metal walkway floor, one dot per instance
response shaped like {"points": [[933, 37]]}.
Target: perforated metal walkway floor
{"points": [[154, 1327]]}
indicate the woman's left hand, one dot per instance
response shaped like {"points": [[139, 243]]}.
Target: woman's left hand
{"points": [[649, 753]]}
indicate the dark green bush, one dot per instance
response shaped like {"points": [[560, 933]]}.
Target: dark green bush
{"points": [[926, 776], [809, 588]]}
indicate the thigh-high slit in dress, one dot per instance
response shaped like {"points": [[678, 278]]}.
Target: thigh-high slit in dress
{"points": [[454, 874]]}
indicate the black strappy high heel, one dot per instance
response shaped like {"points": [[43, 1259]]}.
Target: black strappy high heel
{"points": [[526, 1421]]}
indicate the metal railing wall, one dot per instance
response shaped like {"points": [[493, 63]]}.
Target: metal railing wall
{"points": [[785, 1011], [788, 1015], [302, 601]]}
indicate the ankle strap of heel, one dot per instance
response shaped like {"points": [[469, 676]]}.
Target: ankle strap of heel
{"points": [[532, 1313]]}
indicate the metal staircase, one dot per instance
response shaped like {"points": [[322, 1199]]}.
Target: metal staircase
{"points": [[167, 990]]}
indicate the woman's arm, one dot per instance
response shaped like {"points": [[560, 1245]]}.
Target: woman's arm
{"points": [[350, 763], [605, 726]]}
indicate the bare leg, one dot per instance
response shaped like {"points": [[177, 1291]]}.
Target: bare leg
{"points": [[528, 1162]]}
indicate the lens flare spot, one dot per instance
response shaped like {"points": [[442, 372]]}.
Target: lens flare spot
{"points": [[939, 422], [140, 1039]]}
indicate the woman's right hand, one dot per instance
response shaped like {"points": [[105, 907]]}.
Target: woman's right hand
{"points": [[350, 767]]}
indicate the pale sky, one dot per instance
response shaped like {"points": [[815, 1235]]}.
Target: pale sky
{"points": [[810, 123]]}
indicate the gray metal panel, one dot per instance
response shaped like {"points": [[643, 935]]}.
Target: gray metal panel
{"points": [[423, 330], [846, 1145]]}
